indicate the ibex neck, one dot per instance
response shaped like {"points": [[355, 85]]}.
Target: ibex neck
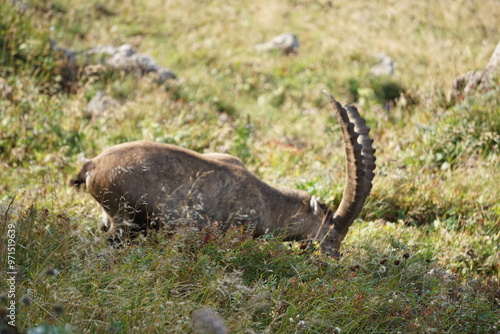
{"points": [[286, 211]]}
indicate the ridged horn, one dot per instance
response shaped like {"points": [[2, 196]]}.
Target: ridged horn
{"points": [[367, 151], [360, 163]]}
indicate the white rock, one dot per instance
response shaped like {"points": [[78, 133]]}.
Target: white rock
{"points": [[99, 104], [385, 67], [287, 43]]}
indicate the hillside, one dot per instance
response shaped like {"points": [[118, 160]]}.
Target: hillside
{"points": [[424, 257]]}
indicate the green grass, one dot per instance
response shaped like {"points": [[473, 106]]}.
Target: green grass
{"points": [[423, 258]]}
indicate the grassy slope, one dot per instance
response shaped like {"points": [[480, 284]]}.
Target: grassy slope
{"points": [[435, 196]]}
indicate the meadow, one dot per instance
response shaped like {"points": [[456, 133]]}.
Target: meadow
{"points": [[423, 257]]}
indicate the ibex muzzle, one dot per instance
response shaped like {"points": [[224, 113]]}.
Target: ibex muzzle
{"points": [[144, 185]]}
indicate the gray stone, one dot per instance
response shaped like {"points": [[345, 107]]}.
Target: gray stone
{"points": [[385, 67], [286, 43], [99, 104], [477, 80]]}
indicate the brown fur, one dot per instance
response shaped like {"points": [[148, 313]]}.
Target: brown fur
{"points": [[145, 184]]}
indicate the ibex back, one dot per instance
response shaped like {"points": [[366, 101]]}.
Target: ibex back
{"points": [[143, 185]]}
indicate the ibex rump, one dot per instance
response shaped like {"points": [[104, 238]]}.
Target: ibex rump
{"points": [[144, 184]]}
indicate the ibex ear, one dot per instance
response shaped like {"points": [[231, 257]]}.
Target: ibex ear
{"points": [[314, 204]]}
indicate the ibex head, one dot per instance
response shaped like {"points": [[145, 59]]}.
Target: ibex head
{"points": [[145, 184]]}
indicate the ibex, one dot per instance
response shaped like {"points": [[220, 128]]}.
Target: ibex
{"points": [[144, 184]]}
